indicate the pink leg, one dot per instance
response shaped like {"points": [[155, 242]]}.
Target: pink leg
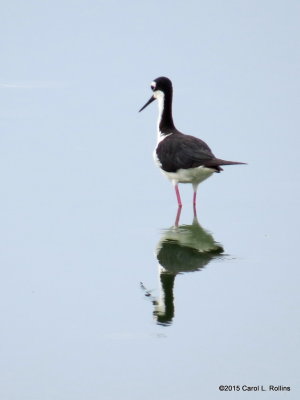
{"points": [[194, 198], [195, 210], [178, 216], [195, 201], [178, 196]]}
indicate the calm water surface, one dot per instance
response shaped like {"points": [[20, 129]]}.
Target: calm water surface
{"points": [[101, 296]]}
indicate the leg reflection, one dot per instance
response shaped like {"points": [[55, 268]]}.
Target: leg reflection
{"points": [[181, 249]]}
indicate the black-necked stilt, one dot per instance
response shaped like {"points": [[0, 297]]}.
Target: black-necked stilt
{"points": [[182, 158], [181, 249]]}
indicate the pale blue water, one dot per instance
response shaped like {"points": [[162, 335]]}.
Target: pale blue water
{"points": [[87, 220]]}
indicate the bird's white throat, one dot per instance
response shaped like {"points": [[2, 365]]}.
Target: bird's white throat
{"points": [[160, 97]]}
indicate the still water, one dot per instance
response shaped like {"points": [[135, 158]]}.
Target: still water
{"points": [[182, 248], [107, 292]]}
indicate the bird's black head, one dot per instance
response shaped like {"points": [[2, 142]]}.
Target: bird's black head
{"points": [[161, 86]]}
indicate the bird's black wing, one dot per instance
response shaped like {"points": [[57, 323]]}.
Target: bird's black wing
{"points": [[183, 151]]}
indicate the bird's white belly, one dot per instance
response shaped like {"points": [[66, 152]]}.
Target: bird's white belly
{"points": [[190, 175]]}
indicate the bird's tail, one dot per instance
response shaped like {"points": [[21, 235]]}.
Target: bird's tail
{"points": [[217, 162]]}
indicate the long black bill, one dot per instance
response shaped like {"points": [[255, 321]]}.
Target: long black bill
{"points": [[148, 102]]}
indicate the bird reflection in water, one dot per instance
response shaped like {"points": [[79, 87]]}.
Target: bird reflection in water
{"points": [[182, 248]]}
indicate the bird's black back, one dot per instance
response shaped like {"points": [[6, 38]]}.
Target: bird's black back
{"points": [[178, 151]]}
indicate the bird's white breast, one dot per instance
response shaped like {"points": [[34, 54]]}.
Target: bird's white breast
{"points": [[190, 175]]}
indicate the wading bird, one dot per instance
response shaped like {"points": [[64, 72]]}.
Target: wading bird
{"points": [[182, 158]]}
